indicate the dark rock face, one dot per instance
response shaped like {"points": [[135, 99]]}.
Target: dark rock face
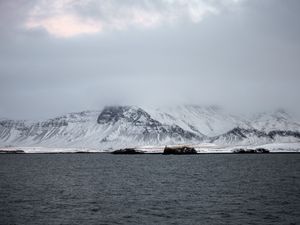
{"points": [[179, 150], [135, 116], [112, 114], [258, 150], [127, 151], [284, 133]]}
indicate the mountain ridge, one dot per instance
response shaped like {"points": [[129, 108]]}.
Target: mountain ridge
{"points": [[123, 126]]}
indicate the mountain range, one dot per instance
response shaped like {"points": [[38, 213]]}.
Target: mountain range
{"points": [[130, 126]]}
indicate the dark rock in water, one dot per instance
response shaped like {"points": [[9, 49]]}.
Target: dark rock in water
{"points": [[12, 151], [179, 150], [127, 151], [240, 150], [262, 150], [258, 150]]}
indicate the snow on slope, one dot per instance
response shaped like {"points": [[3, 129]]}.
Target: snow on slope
{"points": [[242, 136], [210, 120], [275, 120]]}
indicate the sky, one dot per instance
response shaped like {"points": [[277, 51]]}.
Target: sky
{"points": [[59, 56]]}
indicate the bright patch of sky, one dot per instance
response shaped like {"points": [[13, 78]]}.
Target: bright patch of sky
{"points": [[68, 18]]}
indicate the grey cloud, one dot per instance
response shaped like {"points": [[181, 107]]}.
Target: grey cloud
{"points": [[243, 58]]}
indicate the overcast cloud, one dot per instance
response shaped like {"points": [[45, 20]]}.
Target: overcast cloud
{"points": [[58, 56]]}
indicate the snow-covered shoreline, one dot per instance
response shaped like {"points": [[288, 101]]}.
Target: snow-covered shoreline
{"points": [[201, 148]]}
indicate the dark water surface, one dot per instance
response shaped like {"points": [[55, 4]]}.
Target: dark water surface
{"points": [[149, 189]]}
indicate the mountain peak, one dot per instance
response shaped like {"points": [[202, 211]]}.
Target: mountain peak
{"points": [[281, 113], [112, 114]]}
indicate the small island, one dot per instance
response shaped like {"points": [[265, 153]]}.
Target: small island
{"points": [[182, 150], [258, 150], [127, 151]]}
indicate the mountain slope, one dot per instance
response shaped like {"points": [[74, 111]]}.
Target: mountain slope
{"points": [[275, 120], [210, 120], [244, 136], [134, 125]]}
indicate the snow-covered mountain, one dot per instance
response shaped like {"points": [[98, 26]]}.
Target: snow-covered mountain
{"points": [[129, 126]]}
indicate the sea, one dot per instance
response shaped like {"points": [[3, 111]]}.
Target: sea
{"points": [[71, 189]]}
